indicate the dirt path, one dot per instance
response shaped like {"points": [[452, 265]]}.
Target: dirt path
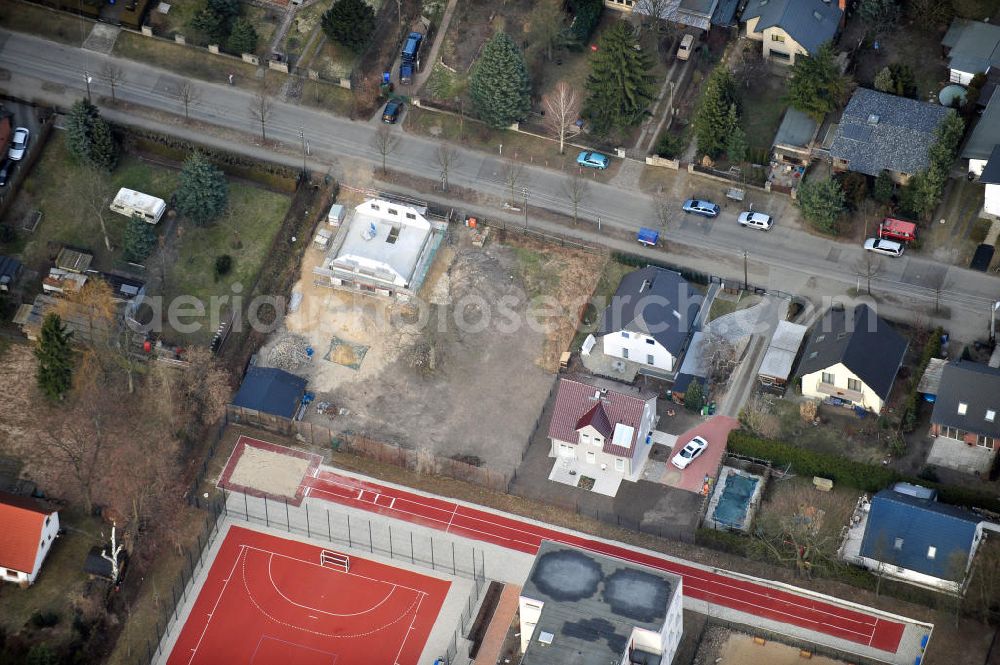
{"points": [[432, 56]]}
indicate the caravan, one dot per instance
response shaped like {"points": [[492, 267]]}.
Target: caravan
{"points": [[131, 203]]}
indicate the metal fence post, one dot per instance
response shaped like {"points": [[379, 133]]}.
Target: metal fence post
{"points": [[454, 565], [267, 520], [350, 542], [411, 548], [329, 529], [288, 519], [371, 542], [390, 542]]}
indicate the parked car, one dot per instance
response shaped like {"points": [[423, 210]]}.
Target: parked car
{"points": [[593, 160], [19, 144], [690, 452], [883, 246], [684, 50], [703, 208], [392, 110], [756, 220], [6, 171]]}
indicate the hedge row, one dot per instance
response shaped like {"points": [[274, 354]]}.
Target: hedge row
{"points": [[641, 262], [911, 405], [866, 477]]}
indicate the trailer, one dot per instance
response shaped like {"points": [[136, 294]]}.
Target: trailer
{"points": [[131, 203], [648, 237]]}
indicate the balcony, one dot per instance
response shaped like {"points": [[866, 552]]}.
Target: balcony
{"points": [[836, 391]]}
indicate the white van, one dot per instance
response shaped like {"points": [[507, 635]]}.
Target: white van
{"points": [[684, 50], [129, 202]]}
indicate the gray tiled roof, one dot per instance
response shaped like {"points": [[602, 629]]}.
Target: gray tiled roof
{"points": [[882, 132], [809, 22], [975, 385], [655, 302], [975, 46], [863, 342], [591, 604], [986, 134]]}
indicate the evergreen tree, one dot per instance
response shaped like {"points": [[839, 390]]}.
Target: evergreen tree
{"points": [[924, 191], [103, 147], [816, 86], [243, 38], [822, 202], [79, 129], [55, 358], [694, 396], [620, 86], [884, 188], [349, 22], [203, 191], [140, 239], [209, 24], [41, 654], [884, 81], [716, 118], [499, 86], [736, 146], [878, 16]]}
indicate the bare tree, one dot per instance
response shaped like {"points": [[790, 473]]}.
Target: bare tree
{"points": [[868, 267], [758, 416], [189, 94], [90, 188], [115, 76], [116, 550], [749, 63], [384, 142], [192, 397], [577, 190], [260, 111], [512, 172], [446, 157], [719, 356], [562, 110]]}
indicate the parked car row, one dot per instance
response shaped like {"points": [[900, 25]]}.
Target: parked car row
{"points": [[19, 141]]}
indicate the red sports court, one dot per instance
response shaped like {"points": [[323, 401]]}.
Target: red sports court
{"points": [[272, 601]]}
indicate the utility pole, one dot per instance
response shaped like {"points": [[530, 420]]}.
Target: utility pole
{"points": [[746, 272], [524, 195], [302, 137], [88, 78]]}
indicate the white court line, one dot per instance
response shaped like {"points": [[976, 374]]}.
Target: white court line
{"points": [[211, 615], [270, 576], [361, 495], [406, 635], [721, 581], [331, 654], [392, 504]]}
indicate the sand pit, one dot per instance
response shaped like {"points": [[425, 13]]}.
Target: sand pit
{"points": [[740, 649], [272, 473]]}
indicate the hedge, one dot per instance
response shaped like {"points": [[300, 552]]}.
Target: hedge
{"points": [[867, 477]]}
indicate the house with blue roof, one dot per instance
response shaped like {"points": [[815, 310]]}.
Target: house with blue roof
{"points": [[790, 28], [910, 536]]}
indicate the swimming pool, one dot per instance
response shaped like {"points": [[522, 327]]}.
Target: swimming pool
{"points": [[734, 500]]}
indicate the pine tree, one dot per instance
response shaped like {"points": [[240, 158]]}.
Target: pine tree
{"points": [[140, 239], [243, 38], [499, 86], [203, 191], [349, 22], [694, 396], [103, 147], [620, 85], [736, 146], [79, 129], [717, 116], [55, 358], [822, 203], [884, 188], [816, 86]]}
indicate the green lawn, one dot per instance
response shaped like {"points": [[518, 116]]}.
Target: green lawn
{"points": [[762, 110], [61, 577], [306, 21], [60, 189], [50, 24], [177, 19], [327, 96], [611, 276], [244, 232]]}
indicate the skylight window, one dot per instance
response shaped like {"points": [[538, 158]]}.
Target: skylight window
{"points": [[991, 415], [962, 408]]}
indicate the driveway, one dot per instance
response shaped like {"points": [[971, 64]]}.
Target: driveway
{"points": [[692, 479]]}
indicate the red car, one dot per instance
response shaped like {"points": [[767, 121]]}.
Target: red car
{"points": [[897, 229]]}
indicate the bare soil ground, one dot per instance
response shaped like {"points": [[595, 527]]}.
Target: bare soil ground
{"points": [[721, 645], [462, 373], [18, 418], [270, 472]]}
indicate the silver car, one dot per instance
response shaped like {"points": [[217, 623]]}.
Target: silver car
{"points": [[883, 246], [755, 220], [19, 144]]}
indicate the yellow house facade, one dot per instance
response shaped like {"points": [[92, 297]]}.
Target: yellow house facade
{"points": [[778, 44], [838, 381]]}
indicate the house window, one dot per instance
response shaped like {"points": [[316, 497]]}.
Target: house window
{"points": [[375, 207], [962, 408], [625, 354], [854, 384], [931, 552], [619, 464], [624, 334], [990, 415], [778, 38], [986, 442], [591, 457], [650, 341], [585, 437], [392, 211], [47, 520], [898, 545], [649, 359], [827, 378], [410, 215]]}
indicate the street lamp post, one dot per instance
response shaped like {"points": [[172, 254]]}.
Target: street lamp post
{"points": [[746, 271], [993, 321], [302, 137], [501, 150], [87, 77], [524, 195]]}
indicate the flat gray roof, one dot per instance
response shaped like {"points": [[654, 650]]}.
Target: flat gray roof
{"points": [[591, 604], [797, 129], [366, 244], [782, 350], [986, 135]]}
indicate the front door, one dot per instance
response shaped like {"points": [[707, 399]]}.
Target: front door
{"points": [[591, 458]]}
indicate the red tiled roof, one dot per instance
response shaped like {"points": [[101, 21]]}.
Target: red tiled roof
{"points": [[598, 419], [576, 408], [21, 523]]}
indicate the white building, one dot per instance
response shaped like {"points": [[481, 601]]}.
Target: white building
{"points": [[385, 248], [973, 48], [27, 531], [990, 177], [650, 319], [580, 608]]}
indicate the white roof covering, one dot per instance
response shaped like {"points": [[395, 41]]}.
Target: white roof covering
{"points": [[782, 350], [384, 240]]}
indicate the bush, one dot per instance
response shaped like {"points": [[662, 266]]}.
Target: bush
{"points": [[349, 22], [670, 146], [8, 234], [223, 264], [694, 396], [724, 541], [45, 619]]}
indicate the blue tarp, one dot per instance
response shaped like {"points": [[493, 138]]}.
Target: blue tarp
{"points": [[648, 236]]}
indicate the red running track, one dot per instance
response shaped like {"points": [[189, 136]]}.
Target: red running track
{"points": [[756, 599]]}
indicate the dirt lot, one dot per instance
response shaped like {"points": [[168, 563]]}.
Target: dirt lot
{"points": [[464, 372], [722, 645]]}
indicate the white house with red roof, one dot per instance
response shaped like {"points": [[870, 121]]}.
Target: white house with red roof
{"points": [[600, 432], [27, 531]]}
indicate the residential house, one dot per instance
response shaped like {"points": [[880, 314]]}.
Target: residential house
{"points": [[268, 397], [966, 416], [689, 13], [794, 141], [601, 430], [581, 608], [853, 356], [650, 319], [973, 48], [990, 177], [29, 529], [910, 536], [792, 28], [385, 249], [985, 137], [10, 272], [882, 132]]}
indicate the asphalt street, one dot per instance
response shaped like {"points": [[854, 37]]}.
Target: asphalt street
{"points": [[787, 259]]}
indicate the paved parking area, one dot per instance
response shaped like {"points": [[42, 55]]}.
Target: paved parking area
{"points": [[692, 479], [24, 115]]}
